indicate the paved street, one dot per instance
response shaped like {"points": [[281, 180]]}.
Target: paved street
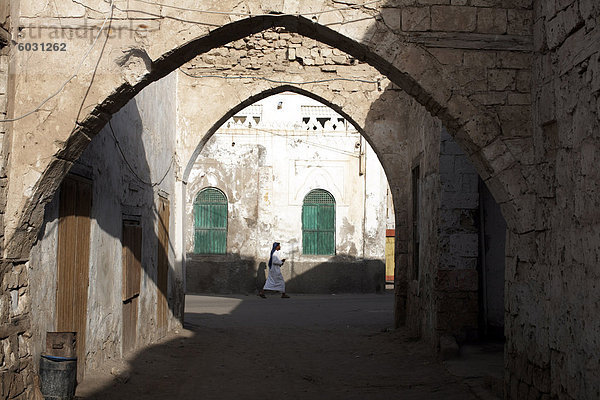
{"points": [[305, 347]]}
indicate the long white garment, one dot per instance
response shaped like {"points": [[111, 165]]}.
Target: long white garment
{"points": [[275, 280]]}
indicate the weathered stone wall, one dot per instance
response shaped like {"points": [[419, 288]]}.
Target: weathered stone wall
{"points": [[265, 171], [476, 94], [492, 244], [443, 295], [240, 67], [453, 58], [16, 372], [278, 50], [340, 80], [5, 51], [456, 279], [127, 171], [552, 307]]}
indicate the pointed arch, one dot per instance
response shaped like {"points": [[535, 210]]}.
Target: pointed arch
{"points": [[255, 98]]}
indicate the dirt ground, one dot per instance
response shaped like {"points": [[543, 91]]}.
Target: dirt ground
{"points": [[305, 347]]}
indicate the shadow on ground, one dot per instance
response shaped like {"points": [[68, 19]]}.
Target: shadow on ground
{"points": [[305, 347]]}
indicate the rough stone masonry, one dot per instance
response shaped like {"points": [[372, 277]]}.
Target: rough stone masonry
{"points": [[516, 82]]}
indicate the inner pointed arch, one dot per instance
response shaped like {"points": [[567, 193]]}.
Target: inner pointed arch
{"points": [[255, 98]]}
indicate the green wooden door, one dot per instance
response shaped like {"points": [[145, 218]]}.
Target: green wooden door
{"points": [[318, 223], [210, 222]]}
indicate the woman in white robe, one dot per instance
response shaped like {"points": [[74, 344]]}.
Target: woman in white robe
{"points": [[275, 280]]}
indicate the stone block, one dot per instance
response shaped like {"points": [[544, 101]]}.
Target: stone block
{"points": [[479, 59], [326, 52], [270, 35], [453, 18], [593, 73], [457, 280], [471, 79], [490, 98], [341, 60], [448, 184], [291, 54], [546, 104], [308, 42], [416, 19], [451, 147], [514, 121], [448, 347], [464, 244], [391, 17], [510, 59], [434, 2], [498, 155], [469, 182], [562, 25], [302, 52], [493, 3], [446, 163], [491, 20], [3, 63], [519, 99], [448, 56], [462, 165], [520, 22], [502, 79]]}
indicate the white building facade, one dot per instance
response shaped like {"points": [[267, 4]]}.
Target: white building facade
{"points": [[291, 170]]}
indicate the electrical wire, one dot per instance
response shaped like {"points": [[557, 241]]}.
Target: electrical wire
{"points": [[280, 82], [112, 7], [39, 107], [129, 165], [238, 14], [205, 23], [324, 146], [189, 21]]}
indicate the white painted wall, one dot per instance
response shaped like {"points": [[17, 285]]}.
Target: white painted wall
{"points": [[267, 168]]}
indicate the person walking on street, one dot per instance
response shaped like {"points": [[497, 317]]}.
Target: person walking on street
{"points": [[275, 280]]}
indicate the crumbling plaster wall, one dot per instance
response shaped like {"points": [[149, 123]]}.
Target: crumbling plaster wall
{"points": [[265, 177], [552, 306], [483, 52], [16, 372], [476, 95], [121, 189], [456, 281], [442, 296], [283, 57]]}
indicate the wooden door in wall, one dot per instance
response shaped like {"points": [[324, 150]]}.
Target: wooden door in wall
{"points": [[132, 269], [163, 264], [73, 254]]}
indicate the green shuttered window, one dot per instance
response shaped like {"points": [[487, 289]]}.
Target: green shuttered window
{"points": [[318, 223], [210, 222]]}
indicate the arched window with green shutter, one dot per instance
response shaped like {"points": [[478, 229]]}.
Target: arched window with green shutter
{"points": [[318, 223], [210, 222]]}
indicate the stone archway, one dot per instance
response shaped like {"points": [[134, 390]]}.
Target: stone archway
{"points": [[407, 65], [329, 102], [488, 133]]}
